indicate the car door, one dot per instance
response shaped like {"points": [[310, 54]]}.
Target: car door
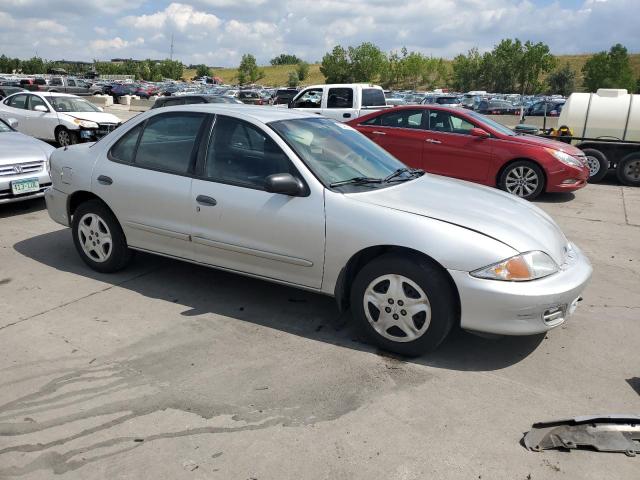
{"points": [[238, 225], [15, 107], [339, 104], [146, 180], [451, 150], [33, 119], [401, 132], [310, 100]]}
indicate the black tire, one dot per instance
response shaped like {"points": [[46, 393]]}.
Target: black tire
{"points": [[435, 285], [628, 170], [119, 252], [600, 167], [65, 137], [513, 169]]}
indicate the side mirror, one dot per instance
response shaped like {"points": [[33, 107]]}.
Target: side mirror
{"points": [[290, 103], [13, 123], [101, 109], [479, 133], [284, 183], [40, 108]]}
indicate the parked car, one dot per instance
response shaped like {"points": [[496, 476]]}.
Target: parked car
{"points": [[449, 100], [24, 172], [284, 96], [33, 84], [496, 107], [58, 117], [250, 97], [340, 101], [6, 91], [463, 144], [412, 254], [74, 86], [193, 99], [551, 108]]}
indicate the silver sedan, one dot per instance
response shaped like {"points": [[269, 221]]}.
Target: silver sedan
{"points": [[24, 170], [309, 202]]}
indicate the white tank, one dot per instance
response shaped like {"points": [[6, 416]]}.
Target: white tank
{"points": [[608, 113]]}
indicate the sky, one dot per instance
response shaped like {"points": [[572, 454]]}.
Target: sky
{"points": [[218, 32]]}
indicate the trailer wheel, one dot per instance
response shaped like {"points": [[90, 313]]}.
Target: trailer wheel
{"points": [[628, 170], [598, 164]]}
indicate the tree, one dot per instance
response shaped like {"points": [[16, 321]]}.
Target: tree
{"points": [[248, 70], [366, 61], [294, 79], [302, 70], [171, 69], [336, 67], [466, 71], [562, 81], [609, 70], [203, 71], [534, 60], [33, 66], [285, 59]]}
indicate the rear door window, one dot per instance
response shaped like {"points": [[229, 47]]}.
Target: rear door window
{"points": [[340, 98], [167, 142], [373, 97]]}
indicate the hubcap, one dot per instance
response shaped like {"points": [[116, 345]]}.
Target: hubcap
{"points": [[632, 170], [594, 165], [522, 181], [63, 138], [397, 308], [95, 237]]}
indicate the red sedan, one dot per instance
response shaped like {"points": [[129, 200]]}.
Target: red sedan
{"points": [[464, 144]]}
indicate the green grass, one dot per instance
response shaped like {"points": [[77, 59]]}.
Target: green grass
{"points": [[276, 76]]}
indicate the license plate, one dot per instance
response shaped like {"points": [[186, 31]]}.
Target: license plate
{"points": [[25, 186]]}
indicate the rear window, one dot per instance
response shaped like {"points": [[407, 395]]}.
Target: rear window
{"points": [[373, 97]]}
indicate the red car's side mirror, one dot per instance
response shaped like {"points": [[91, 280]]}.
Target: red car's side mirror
{"points": [[480, 133]]}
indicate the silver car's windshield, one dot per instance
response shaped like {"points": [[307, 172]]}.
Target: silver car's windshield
{"points": [[335, 152], [4, 127], [71, 104]]}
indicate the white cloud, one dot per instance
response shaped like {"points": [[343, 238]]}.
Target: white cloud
{"points": [[116, 43], [178, 15]]}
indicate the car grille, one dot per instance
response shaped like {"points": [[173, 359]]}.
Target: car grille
{"points": [[19, 168]]}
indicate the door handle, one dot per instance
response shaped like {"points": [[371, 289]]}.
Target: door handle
{"points": [[207, 201], [375, 132], [346, 115], [104, 180], [431, 140]]}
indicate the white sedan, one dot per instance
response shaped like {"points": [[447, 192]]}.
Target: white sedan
{"points": [[60, 117]]}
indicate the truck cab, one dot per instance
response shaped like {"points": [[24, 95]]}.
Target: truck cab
{"points": [[73, 86], [341, 102]]}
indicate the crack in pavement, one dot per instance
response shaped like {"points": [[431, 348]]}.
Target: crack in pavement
{"points": [[79, 299]]}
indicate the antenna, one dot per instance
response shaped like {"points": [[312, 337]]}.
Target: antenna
{"points": [[171, 51]]}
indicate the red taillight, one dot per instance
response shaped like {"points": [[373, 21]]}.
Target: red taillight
{"points": [[259, 102]]}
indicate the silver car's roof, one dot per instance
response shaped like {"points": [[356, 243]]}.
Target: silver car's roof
{"points": [[264, 114]]}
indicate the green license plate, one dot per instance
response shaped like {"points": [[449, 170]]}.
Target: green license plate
{"points": [[27, 185]]}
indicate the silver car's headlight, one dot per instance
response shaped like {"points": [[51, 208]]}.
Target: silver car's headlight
{"points": [[523, 267], [565, 158], [85, 123]]}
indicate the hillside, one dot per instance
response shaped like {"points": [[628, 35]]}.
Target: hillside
{"points": [[278, 75]]}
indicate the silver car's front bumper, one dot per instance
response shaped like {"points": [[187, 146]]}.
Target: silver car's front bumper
{"points": [[6, 195], [520, 308], [57, 205]]}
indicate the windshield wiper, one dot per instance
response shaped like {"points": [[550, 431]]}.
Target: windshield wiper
{"points": [[400, 171], [356, 181]]}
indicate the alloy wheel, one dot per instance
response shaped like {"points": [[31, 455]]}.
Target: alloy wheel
{"points": [[594, 165], [64, 139], [95, 237], [397, 308], [522, 181]]}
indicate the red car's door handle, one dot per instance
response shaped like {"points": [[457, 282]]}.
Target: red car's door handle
{"points": [[375, 132], [431, 140]]}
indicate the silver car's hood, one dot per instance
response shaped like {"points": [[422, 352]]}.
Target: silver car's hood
{"points": [[16, 147], [499, 215]]}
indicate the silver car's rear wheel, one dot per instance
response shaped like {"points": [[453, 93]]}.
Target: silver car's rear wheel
{"points": [[95, 237], [397, 308]]}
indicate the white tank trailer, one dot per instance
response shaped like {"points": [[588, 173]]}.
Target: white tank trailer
{"points": [[606, 126]]}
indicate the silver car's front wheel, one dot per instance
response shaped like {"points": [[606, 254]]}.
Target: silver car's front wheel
{"points": [[95, 237], [397, 308], [405, 303]]}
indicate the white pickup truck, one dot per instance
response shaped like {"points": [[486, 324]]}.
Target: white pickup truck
{"points": [[344, 101]]}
